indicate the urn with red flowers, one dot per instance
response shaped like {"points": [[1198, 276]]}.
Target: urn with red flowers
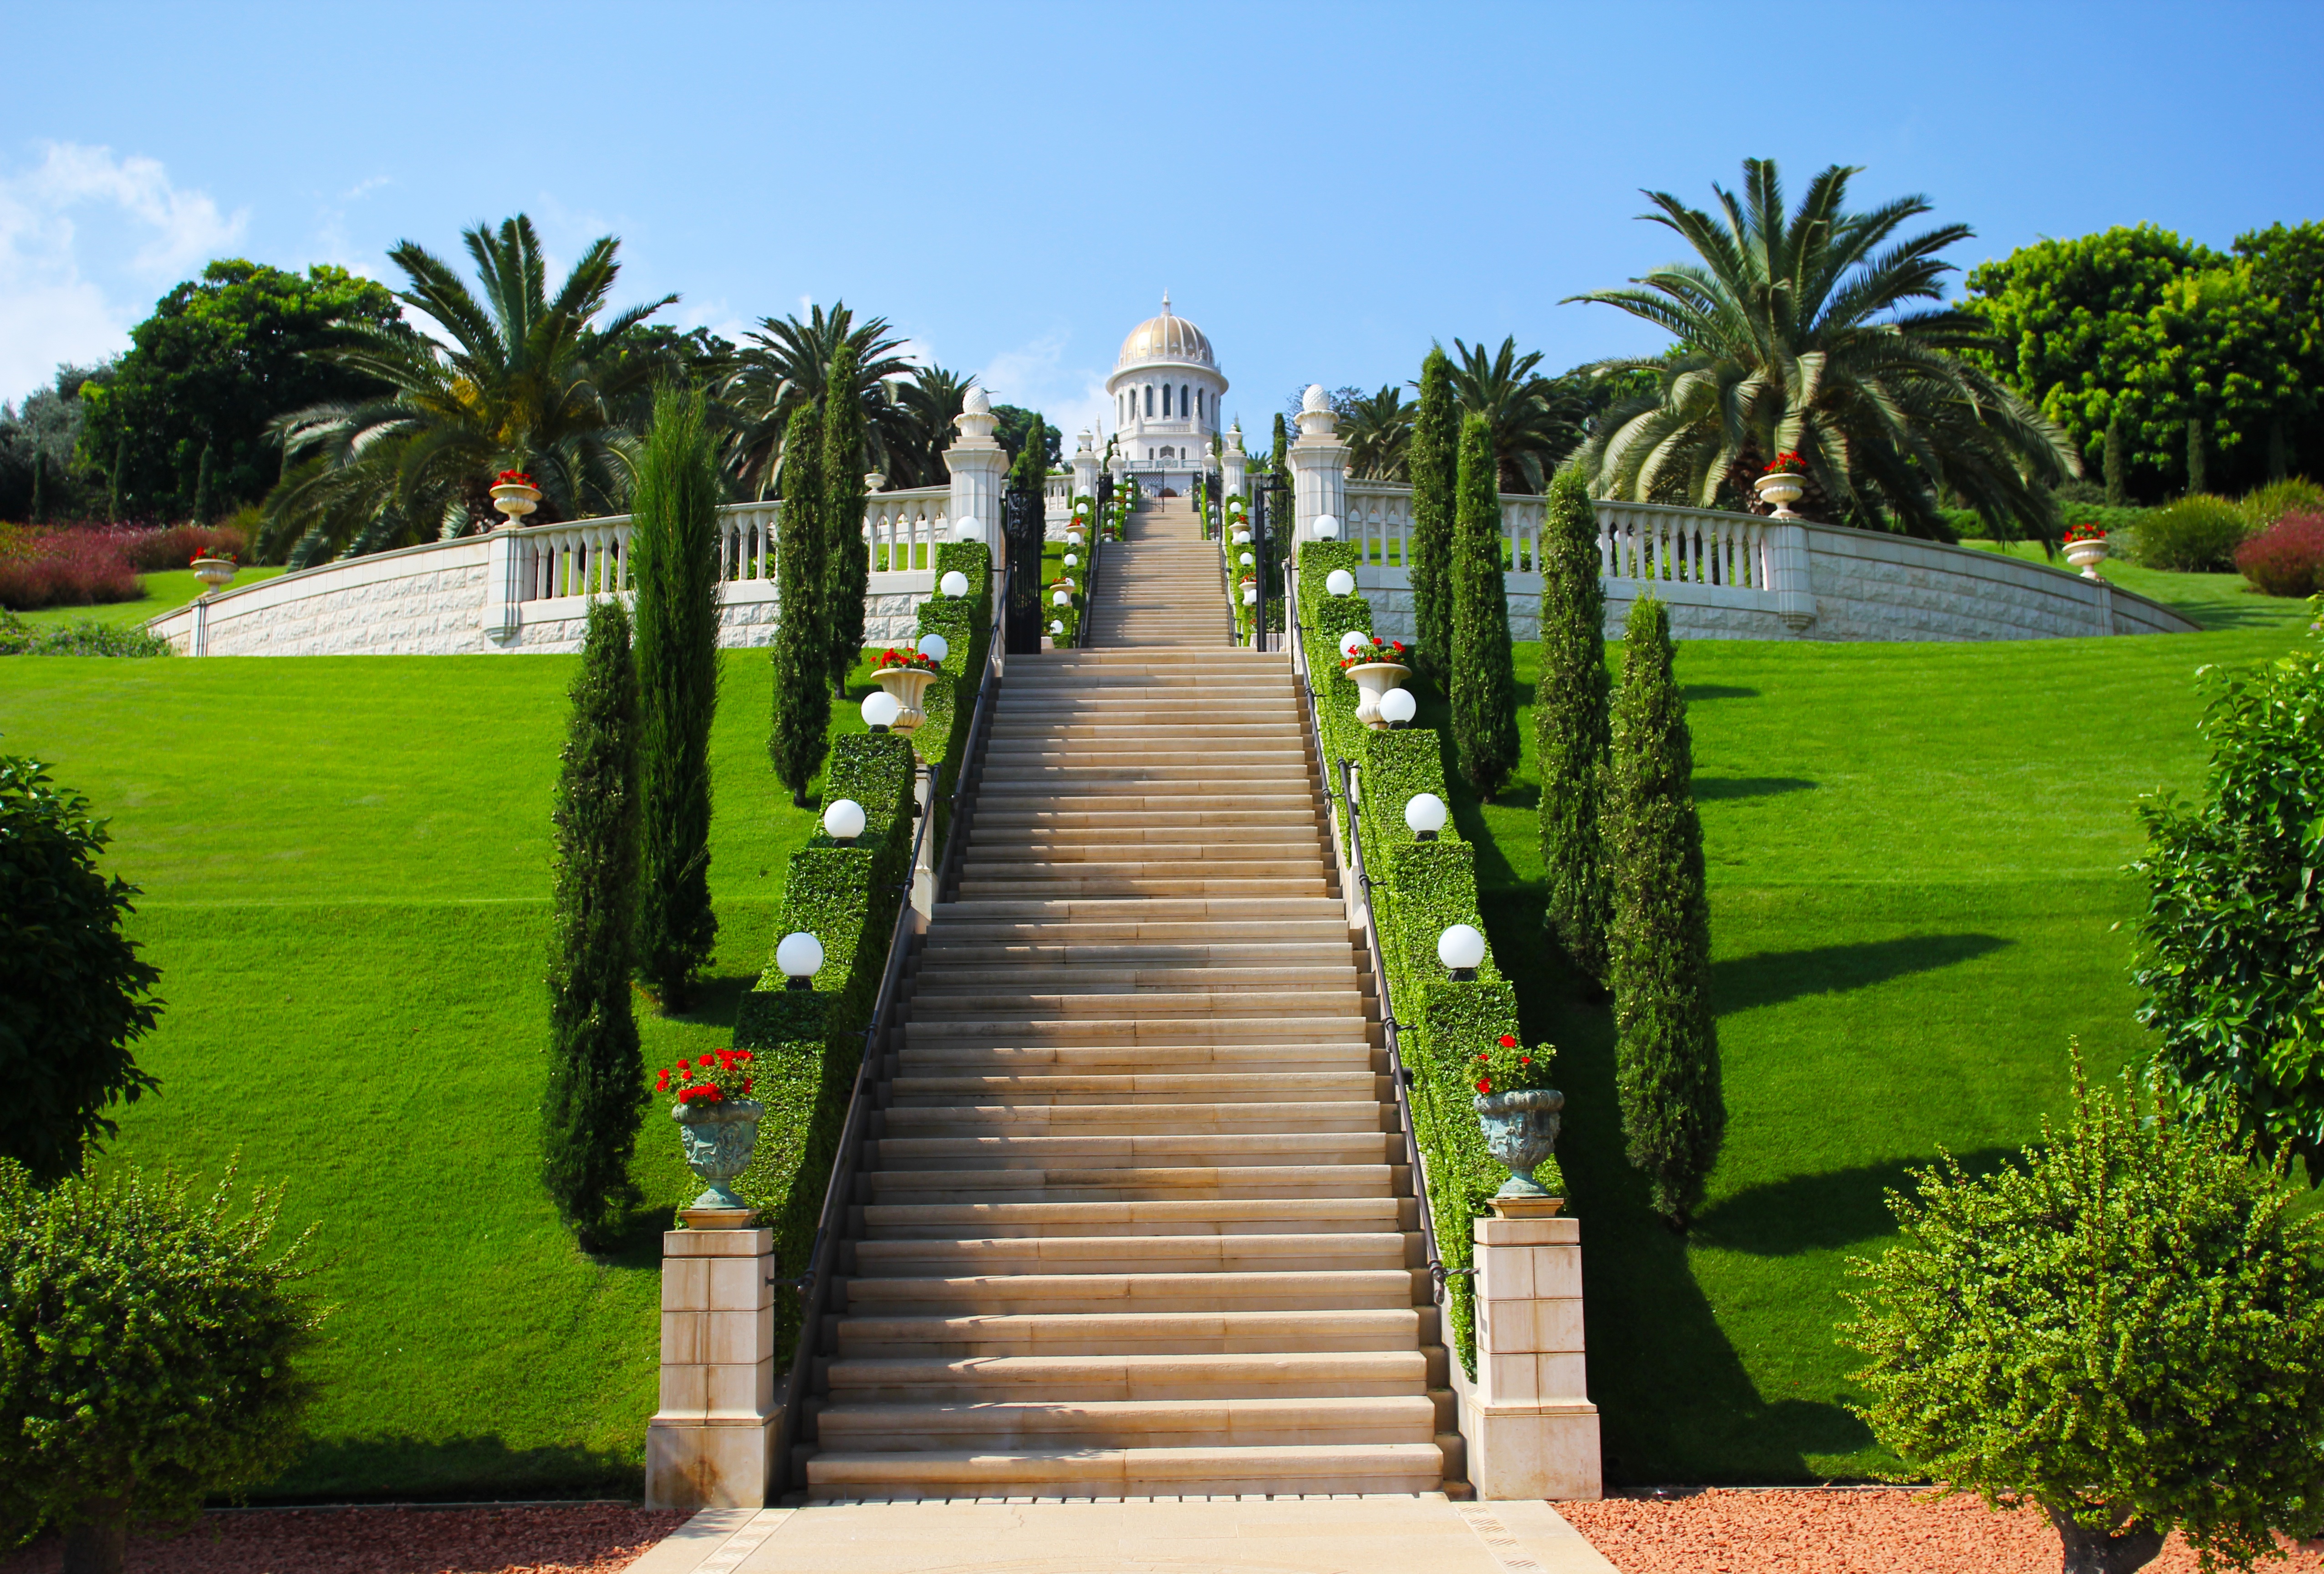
{"points": [[718, 1122], [1520, 1115]]}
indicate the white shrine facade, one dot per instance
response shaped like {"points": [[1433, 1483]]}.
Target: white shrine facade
{"points": [[1166, 386]]}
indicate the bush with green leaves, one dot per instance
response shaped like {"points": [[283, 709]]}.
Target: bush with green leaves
{"points": [[2231, 946], [88, 637], [149, 1347], [2197, 534], [1572, 728], [674, 561], [2264, 505], [2126, 1331], [1658, 952], [74, 994], [596, 1091], [802, 647]]}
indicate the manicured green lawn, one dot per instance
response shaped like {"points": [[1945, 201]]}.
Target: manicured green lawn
{"points": [[1915, 862], [346, 871], [164, 592], [2213, 600]]}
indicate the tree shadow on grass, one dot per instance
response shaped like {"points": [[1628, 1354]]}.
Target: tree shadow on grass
{"points": [[1717, 787], [1676, 1403], [1692, 692], [1815, 1213], [392, 1468], [1770, 978]]}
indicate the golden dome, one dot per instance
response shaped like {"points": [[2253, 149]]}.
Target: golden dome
{"points": [[1166, 337]]}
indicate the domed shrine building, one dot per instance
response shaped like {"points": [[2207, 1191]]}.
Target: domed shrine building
{"points": [[1166, 387]]}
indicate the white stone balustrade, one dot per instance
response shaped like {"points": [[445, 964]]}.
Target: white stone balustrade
{"points": [[1378, 520], [903, 528], [1699, 546]]}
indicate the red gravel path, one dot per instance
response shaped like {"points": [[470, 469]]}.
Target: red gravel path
{"points": [[581, 1538], [1839, 1532]]}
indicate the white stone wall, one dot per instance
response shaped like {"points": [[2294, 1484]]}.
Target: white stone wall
{"points": [[1866, 586]]}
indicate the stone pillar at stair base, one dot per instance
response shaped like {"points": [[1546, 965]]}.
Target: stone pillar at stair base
{"points": [[977, 463], [1532, 1431], [711, 1445], [1319, 466]]}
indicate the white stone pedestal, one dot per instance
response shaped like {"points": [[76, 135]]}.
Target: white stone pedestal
{"points": [[711, 1445], [1531, 1430]]}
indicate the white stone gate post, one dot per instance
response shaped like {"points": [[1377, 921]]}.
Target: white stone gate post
{"points": [[1531, 1429], [1319, 466], [977, 463]]}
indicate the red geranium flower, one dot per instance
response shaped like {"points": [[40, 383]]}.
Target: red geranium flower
{"points": [[1509, 1043], [1484, 1084]]}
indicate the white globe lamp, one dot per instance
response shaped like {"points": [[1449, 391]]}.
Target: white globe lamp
{"points": [[936, 647], [1462, 949], [1057, 625], [1247, 560], [1396, 707], [1061, 599], [800, 956], [1326, 527], [954, 583], [880, 710], [844, 820], [1072, 561], [1355, 640], [1241, 535], [965, 528], [1340, 582], [1424, 815]]}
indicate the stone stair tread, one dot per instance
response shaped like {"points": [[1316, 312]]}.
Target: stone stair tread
{"points": [[1141, 1472], [1264, 1215]]}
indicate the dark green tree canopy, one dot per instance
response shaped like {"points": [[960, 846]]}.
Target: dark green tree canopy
{"points": [[45, 429], [221, 357], [1013, 421]]}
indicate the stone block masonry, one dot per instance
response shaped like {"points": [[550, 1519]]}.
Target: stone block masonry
{"points": [[711, 1442]]}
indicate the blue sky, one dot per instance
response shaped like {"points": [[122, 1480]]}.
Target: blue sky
{"points": [[1324, 188]]}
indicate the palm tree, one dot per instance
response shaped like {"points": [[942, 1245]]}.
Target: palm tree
{"points": [[518, 380], [1533, 421], [1794, 337], [1378, 431], [932, 398], [785, 364]]}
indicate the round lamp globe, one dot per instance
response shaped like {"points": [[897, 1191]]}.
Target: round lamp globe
{"points": [[936, 647], [880, 710], [844, 820], [953, 583], [1340, 582]]}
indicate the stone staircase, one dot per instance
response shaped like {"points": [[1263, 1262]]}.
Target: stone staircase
{"points": [[1133, 1221]]}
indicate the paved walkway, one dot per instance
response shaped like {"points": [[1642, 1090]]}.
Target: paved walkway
{"points": [[1421, 1534]]}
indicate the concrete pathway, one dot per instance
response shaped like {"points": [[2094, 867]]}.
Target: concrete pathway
{"points": [[1191, 1535]]}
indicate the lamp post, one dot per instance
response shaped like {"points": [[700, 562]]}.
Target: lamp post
{"points": [[1398, 707], [934, 646]]}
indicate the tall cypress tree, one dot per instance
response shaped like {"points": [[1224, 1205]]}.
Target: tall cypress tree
{"points": [[1571, 725], [40, 485], [112, 482], [1666, 1053], [205, 488], [2198, 475], [847, 561], [802, 718], [596, 1085], [1436, 437], [674, 554], [1484, 680], [2116, 493]]}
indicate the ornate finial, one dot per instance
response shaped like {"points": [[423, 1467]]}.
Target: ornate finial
{"points": [[1166, 302]]}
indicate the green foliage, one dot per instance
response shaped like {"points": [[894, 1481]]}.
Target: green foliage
{"points": [[74, 994], [1674, 1114], [221, 357], [1533, 421], [596, 1090], [950, 704], [2232, 943], [86, 637], [846, 565], [2264, 505], [148, 1351], [802, 708], [674, 558], [1483, 678], [1433, 457], [2124, 1332], [2196, 534], [786, 364], [1572, 728], [1011, 422]]}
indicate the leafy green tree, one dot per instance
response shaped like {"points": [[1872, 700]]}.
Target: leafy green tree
{"points": [[220, 358], [674, 556], [786, 363], [75, 995], [1484, 669], [49, 422], [2232, 943], [1572, 728], [149, 1350], [518, 380], [1658, 952], [802, 647], [1796, 335], [933, 400], [2123, 1333], [1378, 431], [1433, 454], [1534, 420], [40, 514], [596, 1077], [848, 556], [1014, 422], [206, 502]]}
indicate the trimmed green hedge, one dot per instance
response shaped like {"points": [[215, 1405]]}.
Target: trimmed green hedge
{"points": [[1419, 889]]}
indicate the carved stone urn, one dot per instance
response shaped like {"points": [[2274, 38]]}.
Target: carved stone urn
{"points": [[720, 1137], [1520, 1131], [909, 685], [215, 573], [1376, 678], [1782, 489], [2087, 554]]}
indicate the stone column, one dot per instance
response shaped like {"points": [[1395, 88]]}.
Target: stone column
{"points": [[1085, 466], [502, 615], [711, 1445], [1532, 1431], [1791, 579], [1319, 465], [1232, 464], [978, 464]]}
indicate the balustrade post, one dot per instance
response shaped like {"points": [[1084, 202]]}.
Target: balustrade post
{"points": [[976, 463], [502, 616], [1319, 470], [1789, 576]]}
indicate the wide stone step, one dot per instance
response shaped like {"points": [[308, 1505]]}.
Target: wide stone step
{"points": [[1070, 1182], [1304, 959], [935, 1056], [1300, 831], [1313, 1290], [1247, 1331], [1212, 1253], [1127, 1423], [1261, 1216], [1138, 1088], [1139, 1151], [1079, 1472], [1160, 824], [1094, 978], [1091, 1033], [999, 885], [999, 859], [1336, 1374], [983, 1122], [1080, 933], [1143, 1005]]}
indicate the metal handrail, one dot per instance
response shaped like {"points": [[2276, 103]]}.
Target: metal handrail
{"points": [[814, 1285], [1399, 1077]]}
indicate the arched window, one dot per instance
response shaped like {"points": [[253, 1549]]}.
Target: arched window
{"points": [[1165, 452], [1182, 399], [1165, 399], [1150, 404], [1198, 403]]}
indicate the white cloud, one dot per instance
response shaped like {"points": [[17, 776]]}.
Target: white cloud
{"points": [[61, 299], [1036, 376]]}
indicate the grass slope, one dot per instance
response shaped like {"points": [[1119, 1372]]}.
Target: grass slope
{"points": [[1916, 860], [346, 870], [165, 591]]}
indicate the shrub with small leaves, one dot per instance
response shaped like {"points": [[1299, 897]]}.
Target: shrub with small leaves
{"points": [[2287, 558]]}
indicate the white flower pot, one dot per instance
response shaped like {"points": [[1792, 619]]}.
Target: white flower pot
{"points": [[216, 573], [909, 685], [1376, 678], [515, 501], [2087, 555], [1783, 491]]}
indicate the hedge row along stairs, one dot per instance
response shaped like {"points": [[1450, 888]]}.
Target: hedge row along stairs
{"points": [[1133, 1221]]}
